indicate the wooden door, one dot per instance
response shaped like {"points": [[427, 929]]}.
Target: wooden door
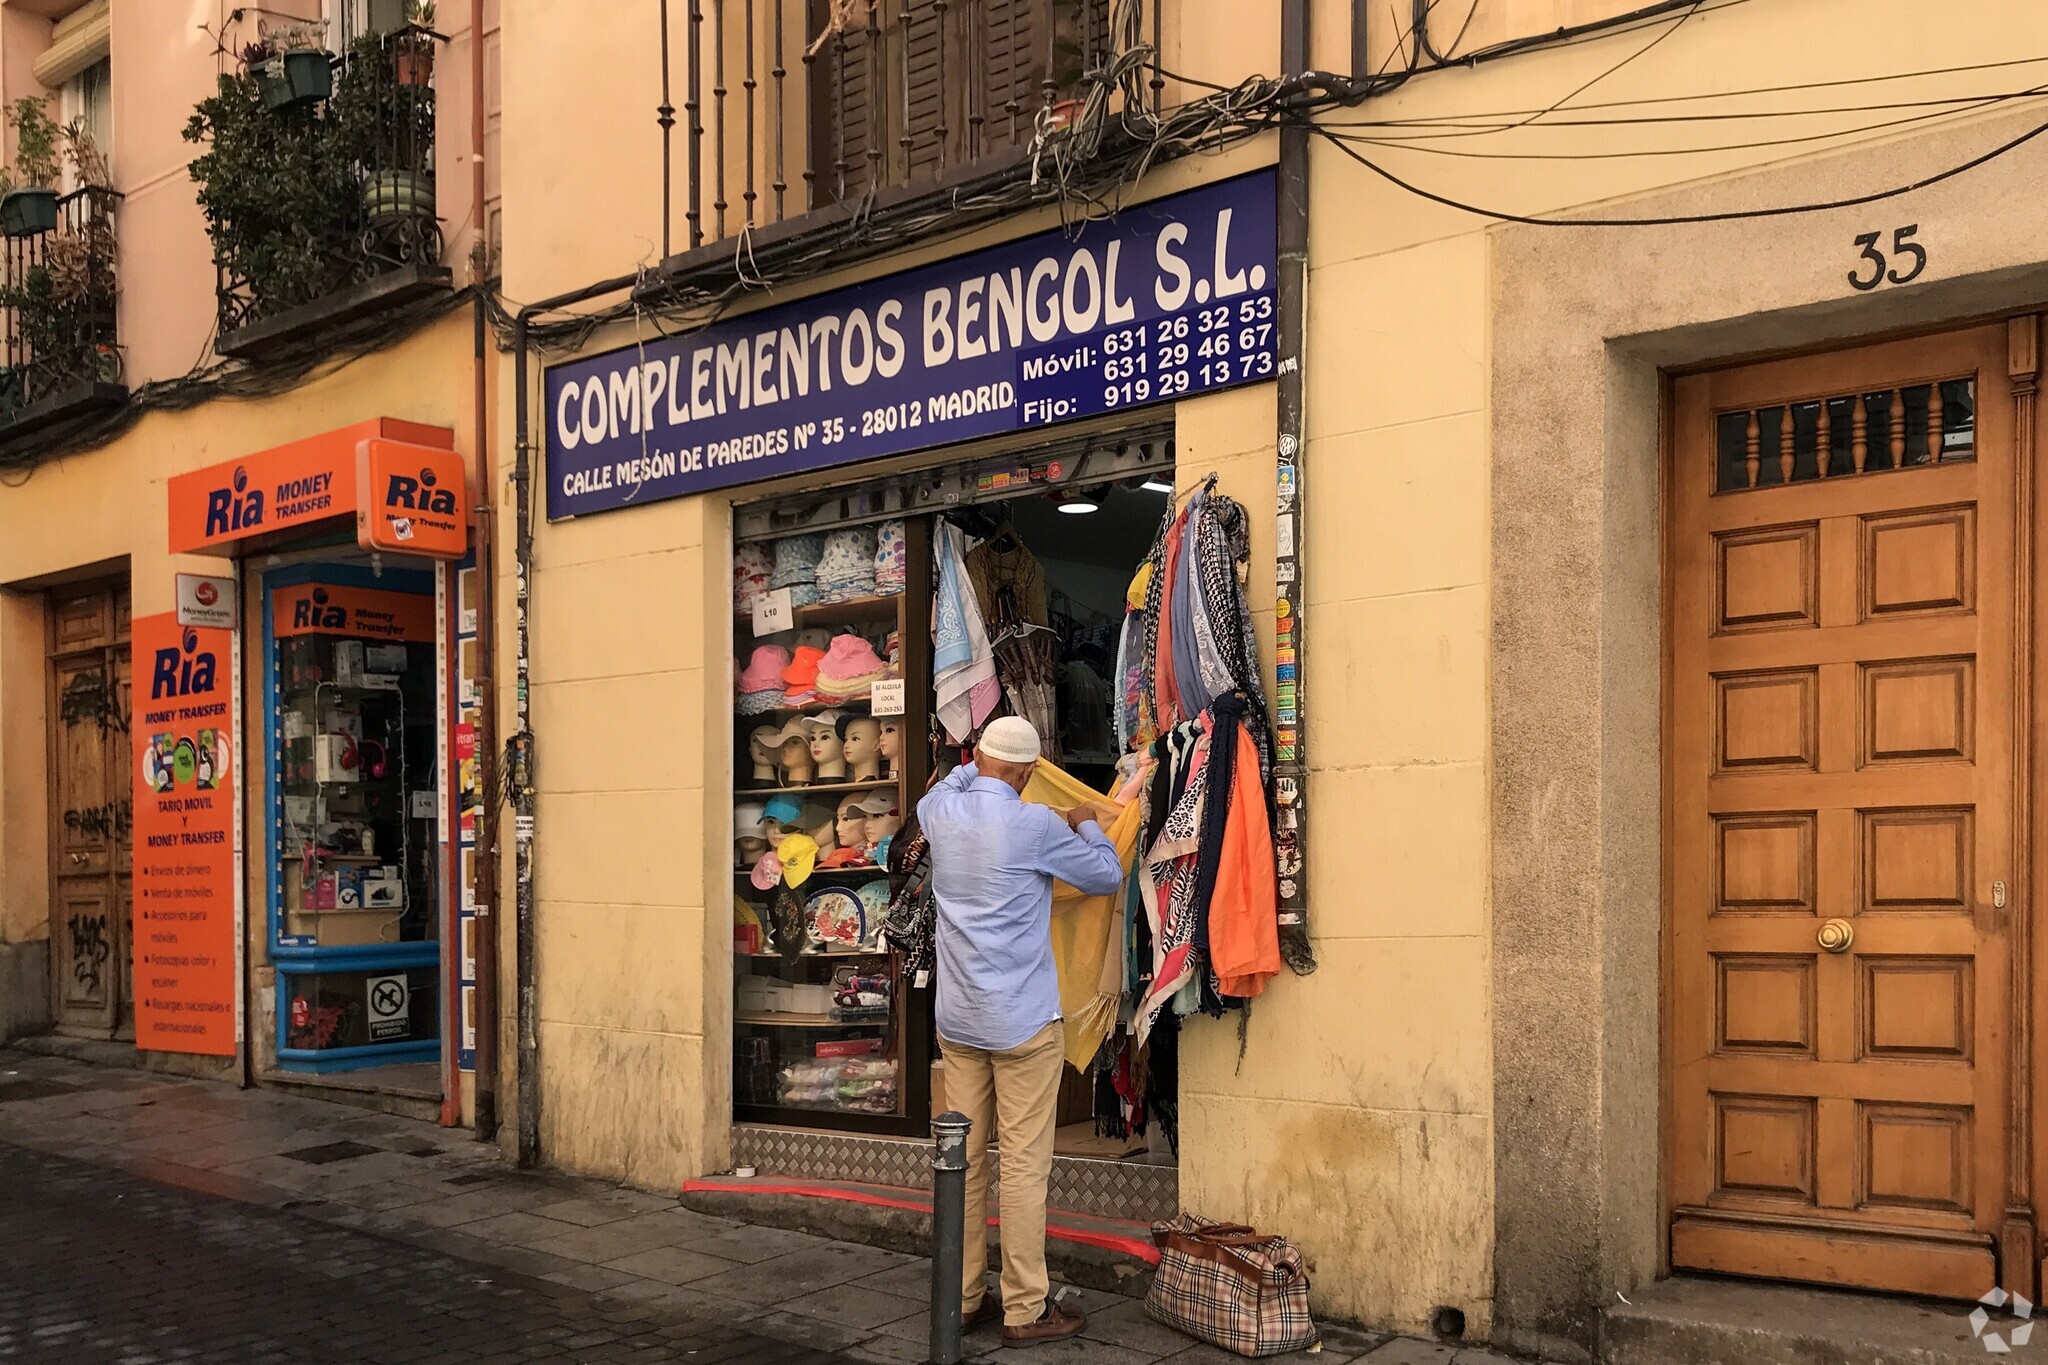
{"points": [[1842, 849], [91, 813]]}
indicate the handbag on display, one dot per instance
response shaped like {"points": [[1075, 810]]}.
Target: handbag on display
{"points": [[1231, 1286]]}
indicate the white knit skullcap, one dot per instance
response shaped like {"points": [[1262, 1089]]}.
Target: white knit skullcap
{"points": [[1011, 739]]}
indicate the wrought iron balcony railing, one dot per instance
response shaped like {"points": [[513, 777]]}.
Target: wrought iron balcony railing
{"points": [[58, 301], [791, 106], [366, 146]]}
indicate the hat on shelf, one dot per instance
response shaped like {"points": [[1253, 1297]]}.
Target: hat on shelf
{"points": [[796, 561], [752, 562], [800, 676], [1010, 739], [880, 801], [849, 668], [843, 857], [782, 810], [761, 682], [893, 650], [819, 821], [892, 558], [747, 817], [767, 871], [798, 853], [822, 720], [846, 566]]}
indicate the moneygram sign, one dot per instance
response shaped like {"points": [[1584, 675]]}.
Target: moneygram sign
{"points": [[1167, 299]]}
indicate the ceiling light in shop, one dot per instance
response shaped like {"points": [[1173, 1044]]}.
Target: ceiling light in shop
{"points": [[1077, 504], [1156, 486]]}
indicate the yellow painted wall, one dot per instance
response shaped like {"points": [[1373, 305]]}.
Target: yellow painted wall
{"points": [[107, 508], [1359, 1119]]}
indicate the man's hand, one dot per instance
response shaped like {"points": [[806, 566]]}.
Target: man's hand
{"points": [[1085, 811]]}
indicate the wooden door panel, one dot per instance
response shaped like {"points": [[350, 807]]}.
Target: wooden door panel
{"points": [[91, 810], [1840, 802]]}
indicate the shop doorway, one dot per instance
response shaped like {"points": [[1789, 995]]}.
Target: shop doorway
{"points": [[1085, 545], [354, 744], [91, 810], [832, 1032], [1843, 765]]}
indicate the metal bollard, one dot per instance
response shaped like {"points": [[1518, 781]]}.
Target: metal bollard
{"points": [[949, 1224]]}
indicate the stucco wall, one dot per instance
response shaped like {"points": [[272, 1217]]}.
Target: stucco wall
{"points": [[1459, 1107], [104, 509], [1576, 654]]}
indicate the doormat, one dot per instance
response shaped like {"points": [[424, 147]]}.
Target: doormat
{"points": [[1118, 1235]]}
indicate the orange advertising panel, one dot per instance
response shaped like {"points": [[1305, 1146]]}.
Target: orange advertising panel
{"points": [[185, 882], [281, 488], [361, 613], [414, 499]]}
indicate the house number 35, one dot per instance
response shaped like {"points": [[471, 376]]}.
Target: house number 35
{"points": [[1881, 270]]}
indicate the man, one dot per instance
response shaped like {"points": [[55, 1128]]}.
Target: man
{"points": [[994, 860]]}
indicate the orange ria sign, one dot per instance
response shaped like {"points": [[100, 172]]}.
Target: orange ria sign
{"points": [[308, 481], [412, 499], [360, 613], [184, 837]]}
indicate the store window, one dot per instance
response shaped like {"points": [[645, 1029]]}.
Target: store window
{"points": [[841, 727], [354, 742]]}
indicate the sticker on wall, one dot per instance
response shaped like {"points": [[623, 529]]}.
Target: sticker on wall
{"points": [[204, 601], [1284, 608], [887, 697], [1283, 572], [1286, 486], [387, 1003], [1283, 536]]}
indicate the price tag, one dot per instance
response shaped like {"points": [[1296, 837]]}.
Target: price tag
{"points": [[887, 697], [773, 613]]}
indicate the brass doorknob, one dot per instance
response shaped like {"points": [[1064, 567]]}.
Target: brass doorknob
{"points": [[1836, 935]]}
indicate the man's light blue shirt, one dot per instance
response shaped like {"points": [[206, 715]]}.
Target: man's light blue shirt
{"points": [[994, 860]]}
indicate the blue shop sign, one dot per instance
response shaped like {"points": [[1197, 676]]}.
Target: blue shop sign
{"points": [[1167, 299]]}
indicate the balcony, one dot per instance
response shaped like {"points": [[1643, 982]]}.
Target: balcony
{"points": [[63, 358], [797, 114], [319, 192]]}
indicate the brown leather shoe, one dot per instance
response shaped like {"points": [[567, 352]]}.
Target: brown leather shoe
{"points": [[1054, 1324], [987, 1313]]}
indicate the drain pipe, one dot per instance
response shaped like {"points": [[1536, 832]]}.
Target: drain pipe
{"points": [[485, 888], [519, 747], [1290, 767]]}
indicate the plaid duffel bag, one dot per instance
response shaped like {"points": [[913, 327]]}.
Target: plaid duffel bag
{"points": [[1231, 1286]]}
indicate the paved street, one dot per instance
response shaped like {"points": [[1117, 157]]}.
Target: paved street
{"points": [[99, 1265], [145, 1219]]}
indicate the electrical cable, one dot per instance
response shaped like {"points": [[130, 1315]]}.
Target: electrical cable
{"points": [[1858, 131], [1434, 120], [1731, 215]]}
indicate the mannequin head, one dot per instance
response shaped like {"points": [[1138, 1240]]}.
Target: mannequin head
{"points": [[761, 747], [891, 742], [750, 847], [827, 752], [798, 768], [851, 828], [862, 739]]}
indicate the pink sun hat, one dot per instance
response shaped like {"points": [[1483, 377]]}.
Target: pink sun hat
{"points": [[764, 670], [849, 667]]}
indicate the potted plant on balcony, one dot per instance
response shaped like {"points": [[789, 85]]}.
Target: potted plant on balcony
{"points": [[29, 205], [292, 65], [412, 47], [62, 296]]}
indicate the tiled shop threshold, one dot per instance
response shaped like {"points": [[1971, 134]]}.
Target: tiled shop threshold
{"points": [[439, 1191]]}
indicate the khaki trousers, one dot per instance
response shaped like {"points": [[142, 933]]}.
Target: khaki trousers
{"points": [[1013, 1094]]}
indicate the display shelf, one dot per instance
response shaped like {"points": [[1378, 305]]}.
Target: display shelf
{"points": [[819, 787], [806, 957], [858, 611], [872, 869], [813, 709], [777, 1019]]}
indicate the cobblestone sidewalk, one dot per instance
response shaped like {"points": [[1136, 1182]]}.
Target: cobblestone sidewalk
{"points": [[147, 1219]]}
